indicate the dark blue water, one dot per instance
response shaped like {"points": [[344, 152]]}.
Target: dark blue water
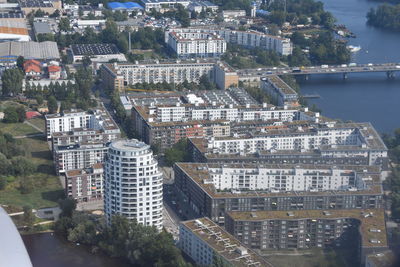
{"points": [[49, 250], [362, 97]]}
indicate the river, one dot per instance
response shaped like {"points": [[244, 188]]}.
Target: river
{"points": [[362, 97], [50, 250]]}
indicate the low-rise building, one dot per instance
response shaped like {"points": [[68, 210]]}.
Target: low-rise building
{"points": [[161, 5], [28, 6], [54, 72], [10, 51], [96, 52], [229, 15], [199, 6], [204, 242], [85, 185], [32, 69]]}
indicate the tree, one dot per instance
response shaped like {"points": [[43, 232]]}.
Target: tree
{"points": [[64, 25], [3, 182], [10, 115], [20, 62], [4, 165], [86, 61], [178, 153], [22, 166], [67, 207], [21, 113], [39, 100], [52, 105], [26, 185], [28, 217], [12, 82]]}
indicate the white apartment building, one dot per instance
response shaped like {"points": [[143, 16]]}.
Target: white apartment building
{"points": [[212, 113], [164, 72], [195, 43], [79, 156], [332, 141], [133, 183], [284, 178], [250, 39], [68, 121], [159, 5]]}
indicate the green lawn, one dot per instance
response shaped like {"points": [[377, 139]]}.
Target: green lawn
{"points": [[47, 187], [38, 122], [17, 129]]}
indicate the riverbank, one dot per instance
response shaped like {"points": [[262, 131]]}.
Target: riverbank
{"points": [[362, 97]]}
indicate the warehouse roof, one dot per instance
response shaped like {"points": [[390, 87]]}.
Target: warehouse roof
{"points": [[13, 251], [30, 50], [41, 28], [94, 49], [126, 5]]}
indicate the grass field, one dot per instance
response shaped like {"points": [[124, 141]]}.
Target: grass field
{"points": [[17, 129], [38, 122], [47, 187]]}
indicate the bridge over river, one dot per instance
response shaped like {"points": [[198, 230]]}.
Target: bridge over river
{"points": [[255, 74]]}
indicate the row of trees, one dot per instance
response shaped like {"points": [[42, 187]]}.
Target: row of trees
{"points": [[140, 245], [393, 181], [385, 16], [298, 11], [12, 82]]}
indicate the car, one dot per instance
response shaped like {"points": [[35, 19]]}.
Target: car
{"points": [[173, 202], [333, 70]]}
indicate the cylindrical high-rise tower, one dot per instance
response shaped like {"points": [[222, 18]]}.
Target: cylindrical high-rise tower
{"points": [[133, 183]]}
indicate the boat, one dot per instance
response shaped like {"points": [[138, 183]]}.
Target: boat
{"points": [[354, 48]]}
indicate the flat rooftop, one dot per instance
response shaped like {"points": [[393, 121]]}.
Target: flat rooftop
{"points": [[94, 49], [230, 248], [129, 145], [279, 83], [370, 219], [200, 174]]}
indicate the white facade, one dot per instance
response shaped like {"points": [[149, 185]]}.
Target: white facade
{"points": [[133, 183], [212, 113], [163, 72], [195, 247], [160, 4], [195, 43], [284, 179], [249, 39], [75, 157], [96, 120], [67, 122]]}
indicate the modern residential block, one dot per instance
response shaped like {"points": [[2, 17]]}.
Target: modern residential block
{"points": [[133, 183]]}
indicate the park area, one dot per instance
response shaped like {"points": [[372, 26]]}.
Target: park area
{"points": [[40, 187]]}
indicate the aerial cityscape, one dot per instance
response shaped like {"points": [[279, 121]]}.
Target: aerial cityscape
{"points": [[184, 133]]}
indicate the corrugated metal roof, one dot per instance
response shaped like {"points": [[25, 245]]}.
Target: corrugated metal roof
{"points": [[13, 252], [30, 50]]}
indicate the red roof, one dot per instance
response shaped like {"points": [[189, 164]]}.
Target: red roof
{"points": [[54, 68], [32, 65], [32, 114]]}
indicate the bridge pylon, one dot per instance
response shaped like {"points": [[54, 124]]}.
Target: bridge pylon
{"points": [[390, 74]]}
